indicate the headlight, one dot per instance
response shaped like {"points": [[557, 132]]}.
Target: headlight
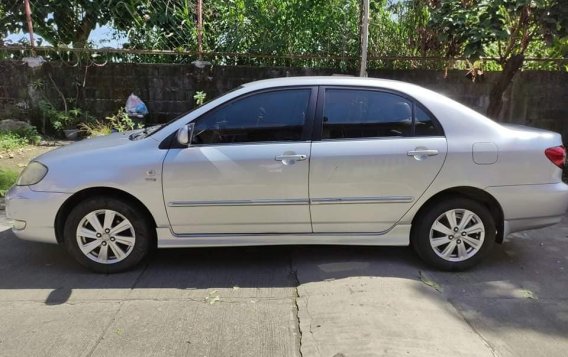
{"points": [[32, 174]]}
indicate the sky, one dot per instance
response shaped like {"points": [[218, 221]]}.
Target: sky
{"points": [[101, 36]]}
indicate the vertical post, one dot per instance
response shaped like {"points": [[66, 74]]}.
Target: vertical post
{"points": [[199, 28], [28, 12], [364, 37]]}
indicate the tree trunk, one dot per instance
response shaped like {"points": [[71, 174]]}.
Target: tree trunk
{"points": [[84, 30], [511, 67]]}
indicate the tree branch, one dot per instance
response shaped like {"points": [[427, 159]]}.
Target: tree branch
{"points": [[59, 92]]}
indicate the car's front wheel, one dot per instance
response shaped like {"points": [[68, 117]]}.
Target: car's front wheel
{"points": [[454, 234], [107, 235]]}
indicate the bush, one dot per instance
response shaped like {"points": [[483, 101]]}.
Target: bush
{"points": [[60, 120], [29, 134], [7, 179]]}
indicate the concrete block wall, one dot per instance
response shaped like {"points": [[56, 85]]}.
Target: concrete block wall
{"points": [[536, 98]]}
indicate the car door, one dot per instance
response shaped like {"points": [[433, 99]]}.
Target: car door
{"points": [[247, 168], [374, 155]]}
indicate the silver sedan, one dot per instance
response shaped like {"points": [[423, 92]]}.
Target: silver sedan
{"points": [[308, 160]]}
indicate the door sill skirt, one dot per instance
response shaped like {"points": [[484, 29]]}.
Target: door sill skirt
{"points": [[399, 235]]}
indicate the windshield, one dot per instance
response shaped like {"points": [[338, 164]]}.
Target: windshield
{"points": [[151, 130]]}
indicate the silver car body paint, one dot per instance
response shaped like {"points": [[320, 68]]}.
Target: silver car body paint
{"points": [[360, 192]]}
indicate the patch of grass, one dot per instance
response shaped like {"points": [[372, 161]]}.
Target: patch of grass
{"points": [[11, 141], [8, 177]]}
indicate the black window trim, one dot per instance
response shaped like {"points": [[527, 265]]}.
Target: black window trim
{"points": [[318, 122], [306, 131]]}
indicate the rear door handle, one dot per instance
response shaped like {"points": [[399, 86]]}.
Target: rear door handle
{"points": [[294, 157], [423, 152]]}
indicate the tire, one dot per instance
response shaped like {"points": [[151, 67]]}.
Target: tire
{"points": [[121, 240], [439, 239]]}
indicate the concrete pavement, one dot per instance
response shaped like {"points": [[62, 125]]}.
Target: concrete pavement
{"points": [[287, 301]]}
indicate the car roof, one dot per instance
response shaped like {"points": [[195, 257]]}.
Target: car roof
{"points": [[341, 80]]}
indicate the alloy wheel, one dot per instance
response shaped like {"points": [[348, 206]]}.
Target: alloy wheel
{"points": [[105, 236], [457, 235]]}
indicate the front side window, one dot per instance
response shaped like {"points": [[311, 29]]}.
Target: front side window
{"points": [[359, 113], [270, 116]]}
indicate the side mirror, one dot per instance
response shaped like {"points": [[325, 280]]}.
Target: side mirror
{"points": [[184, 134]]}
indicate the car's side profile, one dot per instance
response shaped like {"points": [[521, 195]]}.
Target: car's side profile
{"points": [[307, 160]]}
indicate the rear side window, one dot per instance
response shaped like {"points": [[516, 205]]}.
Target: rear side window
{"points": [[262, 117], [424, 124], [353, 113]]}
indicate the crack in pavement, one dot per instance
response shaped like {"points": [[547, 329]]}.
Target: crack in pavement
{"points": [[225, 299], [121, 304], [460, 313], [476, 331], [296, 282], [316, 342]]}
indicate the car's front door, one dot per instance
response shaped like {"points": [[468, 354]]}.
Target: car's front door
{"points": [[378, 153], [247, 168]]}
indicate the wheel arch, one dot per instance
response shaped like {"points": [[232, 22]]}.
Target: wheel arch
{"points": [[472, 193], [77, 197]]}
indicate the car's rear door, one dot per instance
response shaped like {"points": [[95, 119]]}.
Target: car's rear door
{"points": [[247, 168], [374, 154]]}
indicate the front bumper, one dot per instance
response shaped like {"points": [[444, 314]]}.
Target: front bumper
{"points": [[531, 206], [37, 210]]}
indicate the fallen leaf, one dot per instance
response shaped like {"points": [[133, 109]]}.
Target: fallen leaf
{"points": [[431, 283], [212, 299], [527, 294]]}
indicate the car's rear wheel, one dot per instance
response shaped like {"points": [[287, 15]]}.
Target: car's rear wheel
{"points": [[107, 235], [454, 234]]}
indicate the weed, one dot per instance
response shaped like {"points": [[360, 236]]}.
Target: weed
{"points": [[8, 178], [96, 128], [120, 121], [199, 97]]}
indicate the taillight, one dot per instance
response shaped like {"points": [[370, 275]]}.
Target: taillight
{"points": [[557, 155]]}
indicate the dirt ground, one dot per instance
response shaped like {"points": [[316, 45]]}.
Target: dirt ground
{"points": [[18, 159]]}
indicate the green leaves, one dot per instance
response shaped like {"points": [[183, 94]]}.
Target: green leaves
{"points": [[466, 28]]}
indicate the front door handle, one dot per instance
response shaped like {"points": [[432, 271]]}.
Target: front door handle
{"points": [[291, 157], [423, 152]]}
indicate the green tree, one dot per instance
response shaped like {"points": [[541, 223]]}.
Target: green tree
{"points": [[57, 21], [468, 27], [273, 27], [400, 28]]}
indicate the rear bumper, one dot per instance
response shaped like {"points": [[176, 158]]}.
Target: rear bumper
{"points": [[531, 206], [34, 213]]}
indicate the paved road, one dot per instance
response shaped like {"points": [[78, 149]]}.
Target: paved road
{"points": [[287, 301]]}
